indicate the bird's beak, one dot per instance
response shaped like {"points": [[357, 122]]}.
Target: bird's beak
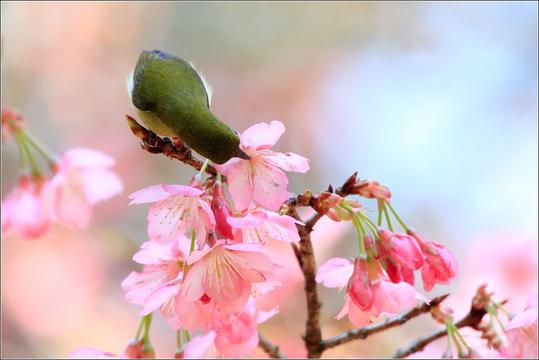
{"points": [[242, 155]]}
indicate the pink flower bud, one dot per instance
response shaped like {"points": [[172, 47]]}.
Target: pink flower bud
{"points": [[359, 287], [403, 248], [373, 190], [133, 350], [221, 211], [440, 264]]}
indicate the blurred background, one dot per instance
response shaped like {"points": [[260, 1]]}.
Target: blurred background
{"points": [[436, 100]]}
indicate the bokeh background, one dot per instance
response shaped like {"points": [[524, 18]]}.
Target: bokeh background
{"points": [[436, 100]]}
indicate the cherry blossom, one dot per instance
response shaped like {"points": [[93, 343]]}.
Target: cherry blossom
{"points": [[178, 210], [22, 209], [440, 264], [83, 179], [157, 286], [369, 294], [522, 333], [261, 179], [403, 248], [263, 226], [225, 273], [232, 334]]}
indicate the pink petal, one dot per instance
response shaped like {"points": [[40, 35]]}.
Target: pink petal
{"points": [[84, 352], [239, 184], [335, 273], [358, 317], [158, 297], [71, 207], [523, 319], [149, 194], [201, 347], [86, 158], [286, 161], [250, 220], [281, 227], [262, 316], [153, 253], [392, 298], [344, 311], [192, 287], [262, 135], [28, 217], [269, 185], [100, 184], [253, 266]]}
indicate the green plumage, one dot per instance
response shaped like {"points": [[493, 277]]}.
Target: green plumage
{"points": [[172, 101]]}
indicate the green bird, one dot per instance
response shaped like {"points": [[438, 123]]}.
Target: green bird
{"points": [[172, 98]]}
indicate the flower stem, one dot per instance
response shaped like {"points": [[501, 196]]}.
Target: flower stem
{"points": [[23, 157], [36, 145], [404, 227], [179, 340], [186, 335], [370, 224], [148, 320], [380, 206], [360, 237], [139, 330], [34, 167], [388, 220]]}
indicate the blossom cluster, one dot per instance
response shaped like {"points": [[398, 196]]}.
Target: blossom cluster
{"points": [[78, 180], [205, 259], [379, 281]]}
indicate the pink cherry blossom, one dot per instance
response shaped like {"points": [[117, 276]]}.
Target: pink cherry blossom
{"points": [[157, 286], [83, 179], [178, 210], [440, 264], [522, 333], [23, 212], [196, 314], [232, 334], [261, 179], [261, 226], [225, 273], [403, 248], [335, 273], [237, 336], [369, 293]]}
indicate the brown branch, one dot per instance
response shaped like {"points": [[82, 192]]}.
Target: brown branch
{"points": [[472, 319], [313, 334], [366, 331], [270, 349], [305, 255], [157, 145]]}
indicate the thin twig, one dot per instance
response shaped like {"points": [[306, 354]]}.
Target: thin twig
{"points": [[472, 319], [366, 331], [154, 144], [270, 348]]}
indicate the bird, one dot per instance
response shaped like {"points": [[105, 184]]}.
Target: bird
{"points": [[173, 99]]}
